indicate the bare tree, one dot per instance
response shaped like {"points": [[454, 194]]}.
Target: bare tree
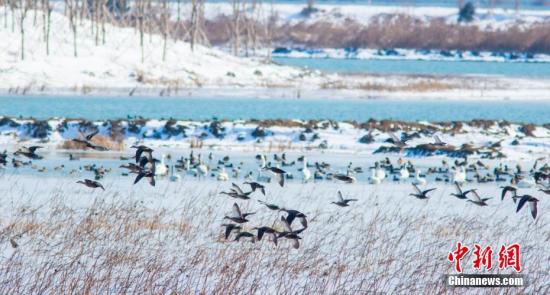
{"points": [[104, 14], [47, 20], [71, 7], [140, 15], [250, 26], [270, 24], [24, 6], [6, 5], [165, 15], [196, 30], [236, 26], [13, 5]]}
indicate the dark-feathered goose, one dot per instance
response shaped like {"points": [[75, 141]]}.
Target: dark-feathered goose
{"points": [[91, 183]]}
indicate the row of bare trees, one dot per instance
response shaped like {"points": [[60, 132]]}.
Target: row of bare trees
{"points": [[248, 23]]}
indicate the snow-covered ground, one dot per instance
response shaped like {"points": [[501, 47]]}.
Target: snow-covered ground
{"points": [[116, 68], [485, 139], [117, 64]]}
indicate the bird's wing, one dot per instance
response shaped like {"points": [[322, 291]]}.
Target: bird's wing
{"points": [[236, 210], [228, 230], [149, 156], [151, 179], [139, 177], [505, 190], [277, 170], [303, 221], [416, 188], [428, 190], [533, 207], [286, 223], [476, 197], [280, 179], [274, 239], [237, 189], [522, 202], [32, 149], [261, 232], [458, 189], [138, 154], [437, 139], [340, 198]]}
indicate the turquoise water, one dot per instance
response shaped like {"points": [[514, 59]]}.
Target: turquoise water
{"points": [[421, 67], [94, 108]]}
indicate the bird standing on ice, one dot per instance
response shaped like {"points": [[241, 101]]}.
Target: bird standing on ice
{"points": [[222, 175], [305, 171], [380, 172], [419, 180], [404, 173], [161, 169], [374, 178], [459, 174]]}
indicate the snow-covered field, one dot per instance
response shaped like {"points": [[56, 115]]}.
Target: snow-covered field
{"points": [[116, 68], [477, 137]]}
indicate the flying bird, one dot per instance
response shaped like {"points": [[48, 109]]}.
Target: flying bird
{"points": [[293, 214], [532, 204], [229, 227], [290, 234], [343, 202], [29, 152], [256, 186], [460, 193], [509, 189], [237, 192], [477, 199], [278, 173], [420, 194], [345, 178], [149, 174], [91, 183], [237, 216], [270, 206]]}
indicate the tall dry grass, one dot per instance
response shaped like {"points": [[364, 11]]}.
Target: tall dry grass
{"points": [[169, 241]]}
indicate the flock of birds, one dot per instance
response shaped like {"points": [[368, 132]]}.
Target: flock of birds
{"points": [[145, 165]]}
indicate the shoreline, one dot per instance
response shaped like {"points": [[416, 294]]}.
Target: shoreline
{"points": [[478, 138], [315, 85]]}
